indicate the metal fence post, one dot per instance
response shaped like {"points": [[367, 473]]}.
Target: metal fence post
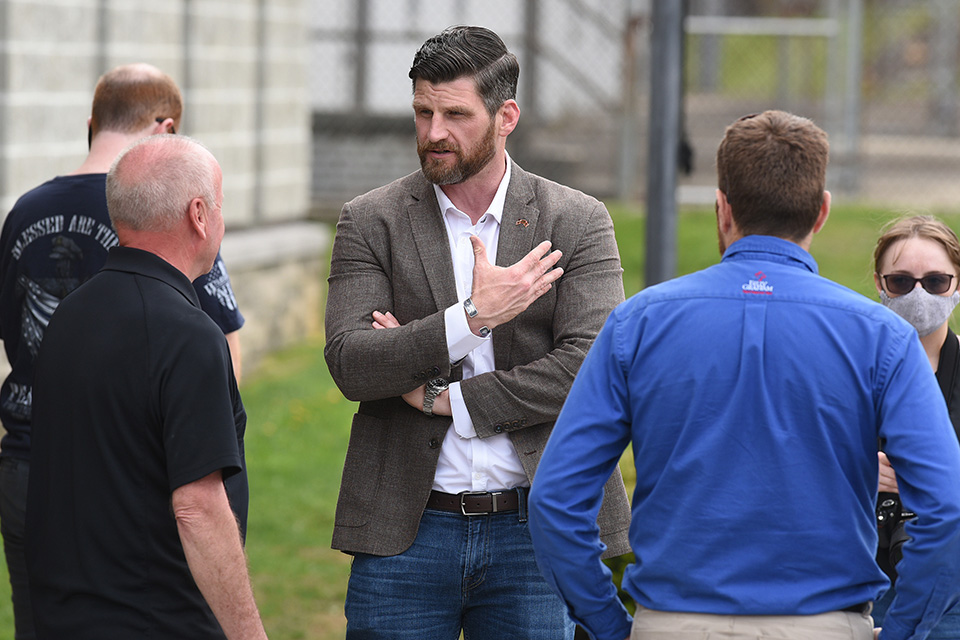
{"points": [[664, 139], [944, 58], [361, 55]]}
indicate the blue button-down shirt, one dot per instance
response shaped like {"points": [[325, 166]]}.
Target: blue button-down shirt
{"points": [[753, 393]]}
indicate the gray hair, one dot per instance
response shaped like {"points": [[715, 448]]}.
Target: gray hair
{"points": [[153, 181]]}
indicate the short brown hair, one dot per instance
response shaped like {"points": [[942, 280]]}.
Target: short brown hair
{"points": [[128, 98], [772, 168], [915, 226]]}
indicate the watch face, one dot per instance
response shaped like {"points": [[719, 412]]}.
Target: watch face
{"points": [[437, 385]]}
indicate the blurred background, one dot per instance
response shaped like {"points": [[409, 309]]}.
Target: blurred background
{"points": [[306, 103], [879, 75]]}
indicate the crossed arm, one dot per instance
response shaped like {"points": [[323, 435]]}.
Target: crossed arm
{"points": [[374, 365]]}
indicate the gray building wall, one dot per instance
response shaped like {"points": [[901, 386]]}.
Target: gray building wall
{"points": [[242, 67]]}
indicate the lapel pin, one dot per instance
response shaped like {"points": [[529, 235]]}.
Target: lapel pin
{"points": [[522, 223]]}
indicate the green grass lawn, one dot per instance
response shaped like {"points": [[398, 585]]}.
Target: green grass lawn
{"points": [[299, 425]]}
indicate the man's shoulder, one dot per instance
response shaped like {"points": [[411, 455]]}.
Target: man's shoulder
{"points": [[413, 185], [762, 280], [547, 192], [29, 206], [57, 196]]}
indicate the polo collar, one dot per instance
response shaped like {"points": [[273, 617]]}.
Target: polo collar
{"points": [[140, 262]]}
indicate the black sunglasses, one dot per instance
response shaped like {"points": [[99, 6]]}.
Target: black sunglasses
{"points": [[899, 284]]}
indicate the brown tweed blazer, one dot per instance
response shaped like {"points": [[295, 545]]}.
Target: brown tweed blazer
{"points": [[391, 254]]}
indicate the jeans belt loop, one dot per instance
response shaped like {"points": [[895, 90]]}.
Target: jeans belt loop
{"points": [[521, 504]]}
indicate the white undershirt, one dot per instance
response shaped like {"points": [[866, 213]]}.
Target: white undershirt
{"points": [[469, 463]]}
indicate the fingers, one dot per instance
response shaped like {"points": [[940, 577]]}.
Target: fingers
{"points": [[384, 320], [539, 259], [887, 478]]}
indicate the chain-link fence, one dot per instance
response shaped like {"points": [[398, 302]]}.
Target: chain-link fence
{"points": [[879, 75]]}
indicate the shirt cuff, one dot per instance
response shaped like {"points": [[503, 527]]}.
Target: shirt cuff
{"points": [[460, 340], [462, 422]]}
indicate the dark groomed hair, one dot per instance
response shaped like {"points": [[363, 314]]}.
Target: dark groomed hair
{"points": [[469, 51], [772, 168]]}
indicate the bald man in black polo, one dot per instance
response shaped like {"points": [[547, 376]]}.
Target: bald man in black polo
{"points": [[131, 532]]}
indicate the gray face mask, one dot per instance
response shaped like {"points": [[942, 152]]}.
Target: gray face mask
{"points": [[925, 311]]}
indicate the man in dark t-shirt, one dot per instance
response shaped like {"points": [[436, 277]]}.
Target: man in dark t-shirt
{"points": [[56, 237], [138, 424]]}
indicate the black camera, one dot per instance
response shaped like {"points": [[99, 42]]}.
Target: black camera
{"points": [[891, 522]]}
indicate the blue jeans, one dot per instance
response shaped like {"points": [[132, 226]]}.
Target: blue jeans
{"points": [[14, 474], [947, 629], [475, 573]]}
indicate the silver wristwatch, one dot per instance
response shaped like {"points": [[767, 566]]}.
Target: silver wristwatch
{"points": [[433, 388]]}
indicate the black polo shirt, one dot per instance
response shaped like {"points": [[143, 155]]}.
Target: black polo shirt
{"points": [[135, 396]]}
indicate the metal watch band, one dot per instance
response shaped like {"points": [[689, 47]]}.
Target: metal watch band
{"points": [[433, 388], [428, 399]]}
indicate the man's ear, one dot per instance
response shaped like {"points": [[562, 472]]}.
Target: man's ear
{"points": [[724, 213], [509, 114], [824, 212], [197, 215], [166, 126]]}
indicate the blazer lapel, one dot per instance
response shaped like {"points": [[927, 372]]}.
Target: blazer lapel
{"points": [[519, 222], [518, 235], [433, 247]]}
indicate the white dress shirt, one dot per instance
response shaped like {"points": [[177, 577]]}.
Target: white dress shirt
{"points": [[469, 463]]}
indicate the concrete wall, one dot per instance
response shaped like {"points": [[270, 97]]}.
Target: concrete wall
{"points": [[242, 67]]}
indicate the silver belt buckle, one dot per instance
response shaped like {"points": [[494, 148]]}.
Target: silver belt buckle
{"points": [[493, 496]]}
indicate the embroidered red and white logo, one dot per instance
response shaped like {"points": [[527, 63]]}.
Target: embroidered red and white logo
{"points": [[758, 284]]}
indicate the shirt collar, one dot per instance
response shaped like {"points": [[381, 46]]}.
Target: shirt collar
{"points": [[771, 248], [151, 265], [496, 206]]}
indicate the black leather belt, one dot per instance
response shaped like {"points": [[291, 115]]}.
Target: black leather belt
{"points": [[862, 607], [476, 503]]}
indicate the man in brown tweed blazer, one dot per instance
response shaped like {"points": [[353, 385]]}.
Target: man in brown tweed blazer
{"points": [[463, 299]]}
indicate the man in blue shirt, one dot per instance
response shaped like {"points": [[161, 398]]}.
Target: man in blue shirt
{"points": [[755, 445]]}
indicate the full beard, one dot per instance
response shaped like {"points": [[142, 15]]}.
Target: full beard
{"points": [[439, 172]]}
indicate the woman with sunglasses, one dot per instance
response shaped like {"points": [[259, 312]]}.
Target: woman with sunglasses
{"points": [[916, 271]]}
